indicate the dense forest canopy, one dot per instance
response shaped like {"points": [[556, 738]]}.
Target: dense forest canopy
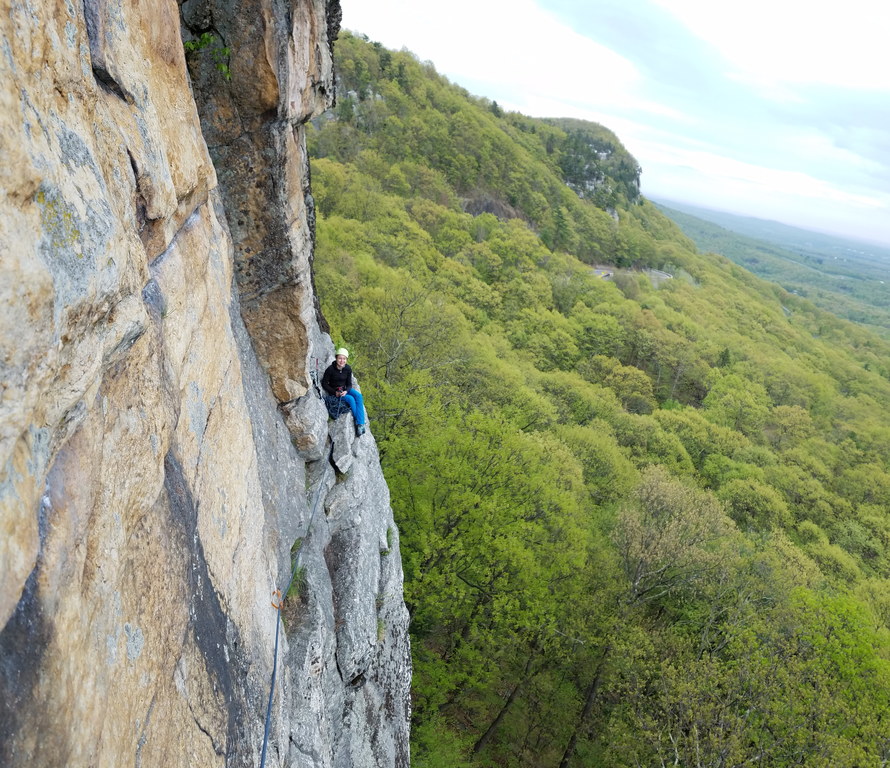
{"points": [[849, 279], [644, 520]]}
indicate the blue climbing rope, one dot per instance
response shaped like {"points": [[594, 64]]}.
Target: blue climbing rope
{"points": [[281, 597]]}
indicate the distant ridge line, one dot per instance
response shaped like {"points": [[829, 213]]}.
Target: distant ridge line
{"points": [[773, 231]]}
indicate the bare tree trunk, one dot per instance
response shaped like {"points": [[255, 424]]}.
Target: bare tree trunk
{"points": [[592, 692], [486, 737]]}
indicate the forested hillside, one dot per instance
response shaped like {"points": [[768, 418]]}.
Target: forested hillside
{"points": [[848, 279], [640, 525]]}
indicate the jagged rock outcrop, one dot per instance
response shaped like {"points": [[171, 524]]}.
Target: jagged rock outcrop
{"points": [[164, 460]]}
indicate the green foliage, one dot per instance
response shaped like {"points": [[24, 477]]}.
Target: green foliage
{"points": [[609, 474], [665, 535], [631, 385], [219, 53], [435, 745], [595, 165], [643, 519], [804, 690], [845, 278], [753, 504], [298, 584], [737, 403]]}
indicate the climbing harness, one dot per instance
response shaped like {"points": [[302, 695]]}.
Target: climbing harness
{"points": [[335, 405]]}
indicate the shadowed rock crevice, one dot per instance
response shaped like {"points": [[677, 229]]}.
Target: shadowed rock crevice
{"points": [[22, 644], [95, 13], [208, 623]]}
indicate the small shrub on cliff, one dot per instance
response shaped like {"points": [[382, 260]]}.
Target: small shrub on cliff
{"points": [[220, 53]]}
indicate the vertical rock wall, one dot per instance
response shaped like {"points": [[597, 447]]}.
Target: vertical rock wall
{"points": [[164, 460]]}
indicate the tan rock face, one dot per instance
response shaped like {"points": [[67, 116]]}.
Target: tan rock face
{"points": [[281, 74], [156, 309]]}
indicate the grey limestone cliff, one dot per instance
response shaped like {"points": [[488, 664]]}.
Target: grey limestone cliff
{"points": [[165, 462]]}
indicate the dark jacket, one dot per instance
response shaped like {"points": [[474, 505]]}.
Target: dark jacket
{"points": [[334, 379]]}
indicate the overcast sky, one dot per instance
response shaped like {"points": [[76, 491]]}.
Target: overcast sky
{"points": [[778, 109]]}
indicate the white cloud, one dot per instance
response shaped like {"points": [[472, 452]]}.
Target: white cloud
{"points": [[712, 180], [770, 42], [815, 144], [764, 180], [496, 46]]}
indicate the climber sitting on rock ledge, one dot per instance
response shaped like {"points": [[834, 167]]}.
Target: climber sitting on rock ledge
{"points": [[337, 384]]}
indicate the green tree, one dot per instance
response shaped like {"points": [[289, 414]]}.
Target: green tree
{"points": [[753, 504], [735, 402]]}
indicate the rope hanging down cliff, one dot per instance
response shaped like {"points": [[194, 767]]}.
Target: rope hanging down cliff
{"points": [[280, 596]]}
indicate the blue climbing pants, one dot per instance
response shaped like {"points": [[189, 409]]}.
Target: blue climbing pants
{"points": [[354, 400]]}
